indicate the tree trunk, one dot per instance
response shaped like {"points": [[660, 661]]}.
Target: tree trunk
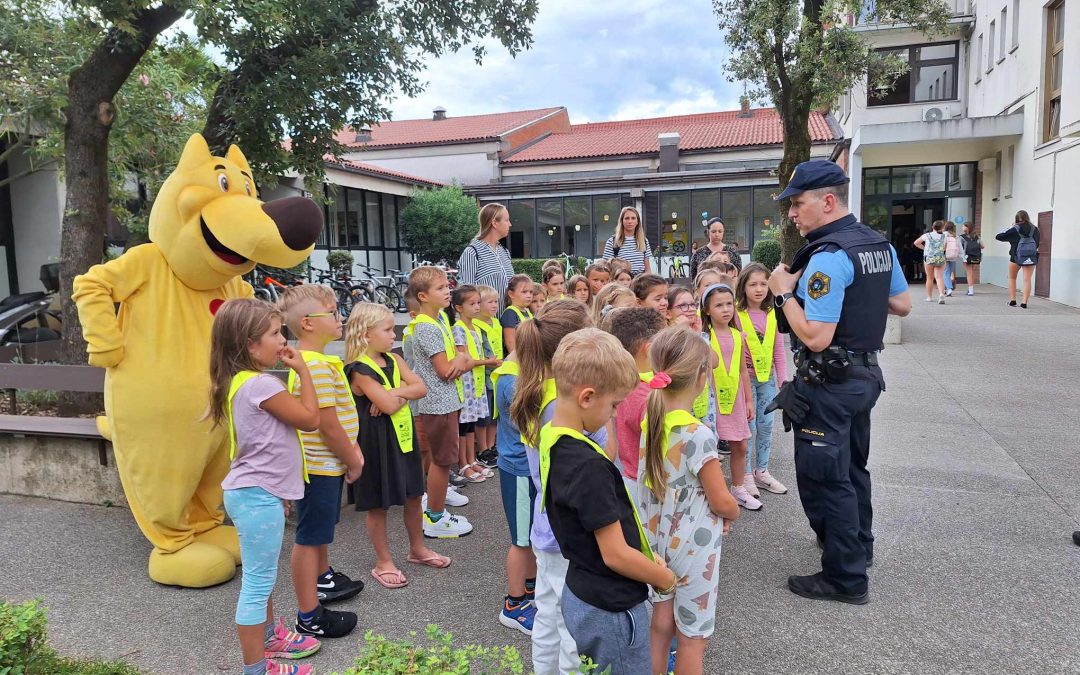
{"points": [[90, 113], [796, 151]]}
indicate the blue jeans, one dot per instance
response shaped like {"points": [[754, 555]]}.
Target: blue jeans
{"points": [[761, 426], [950, 270], [259, 518]]}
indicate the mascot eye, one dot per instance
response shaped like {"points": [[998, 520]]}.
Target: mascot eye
{"points": [[247, 187], [223, 182]]}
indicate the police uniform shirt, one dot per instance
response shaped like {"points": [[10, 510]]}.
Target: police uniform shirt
{"points": [[826, 277]]}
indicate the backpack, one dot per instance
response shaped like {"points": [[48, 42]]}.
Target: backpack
{"points": [[952, 248], [1027, 251], [934, 252], [972, 250]]}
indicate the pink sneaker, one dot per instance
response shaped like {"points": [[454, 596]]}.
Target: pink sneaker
{"points": [[745, 499], [289, 645], [750, 485], [275, 668], [765, 481]]}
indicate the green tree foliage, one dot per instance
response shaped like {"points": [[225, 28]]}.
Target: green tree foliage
{"points": [[437, 224], [801, 54]]}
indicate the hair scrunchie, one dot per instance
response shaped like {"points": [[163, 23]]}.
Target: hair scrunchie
{"points": [[660, 380]]}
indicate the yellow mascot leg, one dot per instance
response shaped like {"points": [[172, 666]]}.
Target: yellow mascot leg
{"points": [[206, 515]]}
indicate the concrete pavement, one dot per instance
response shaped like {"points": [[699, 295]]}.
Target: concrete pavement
{"points": [[976, 493]]}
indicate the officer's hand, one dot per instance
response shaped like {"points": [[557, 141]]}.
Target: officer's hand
{"points": [[782, 280]]}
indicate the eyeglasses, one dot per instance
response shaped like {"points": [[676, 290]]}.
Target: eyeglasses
{"points": [[336, 315], [686, 307]]}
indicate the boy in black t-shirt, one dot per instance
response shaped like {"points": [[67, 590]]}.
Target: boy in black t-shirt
{"points": [[592, 517]]}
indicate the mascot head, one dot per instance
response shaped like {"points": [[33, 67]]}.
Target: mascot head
{"points": [[210, 225]]}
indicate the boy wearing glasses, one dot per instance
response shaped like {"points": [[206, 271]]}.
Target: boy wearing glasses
{"points": [[332, 456]]}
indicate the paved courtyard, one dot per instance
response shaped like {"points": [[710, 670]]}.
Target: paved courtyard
{"points": [[976, 494]]}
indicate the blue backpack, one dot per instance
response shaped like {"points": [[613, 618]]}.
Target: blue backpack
{"points": [[1027, 250]]}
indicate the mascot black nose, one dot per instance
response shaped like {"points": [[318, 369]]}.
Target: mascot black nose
{"points": [[298, 219]]}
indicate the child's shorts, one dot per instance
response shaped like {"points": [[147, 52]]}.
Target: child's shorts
{"points": [[465, 428], [518, 499], [441, 436], [319, 511]]}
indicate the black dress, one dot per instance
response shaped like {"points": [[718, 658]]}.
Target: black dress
{"points": [[389, 476]]}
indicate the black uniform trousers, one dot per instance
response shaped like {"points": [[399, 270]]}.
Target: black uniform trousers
{"points": [[832, 446]]}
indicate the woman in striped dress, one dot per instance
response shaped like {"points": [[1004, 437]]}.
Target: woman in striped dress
{"points": [[486, 262], [629, 242]]}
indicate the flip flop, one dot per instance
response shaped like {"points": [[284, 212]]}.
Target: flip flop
{"points": [[381, 578], [437, 561]]}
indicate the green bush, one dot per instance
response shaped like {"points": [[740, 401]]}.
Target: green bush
{"points": [[766, 252], [437, 224], [340, 262], [381, 655], [534, 266]]}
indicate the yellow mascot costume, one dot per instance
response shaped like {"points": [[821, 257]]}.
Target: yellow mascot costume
{"points": [[207, 228]]}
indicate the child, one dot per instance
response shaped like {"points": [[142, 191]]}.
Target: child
{"points": [[634, 328], [686, 505], [766, 361], [267, 467], [621, 272], [682, 308], [611, 296], [437, 362], [491, 336], [333, 457], [594, 521], [554, 281], [519, 295], [598, 275], [731, 406], [383, 385], [707, 278], [532, 405], [465, 307], [722, 266], [540, 297], [650, 291], [579, 289]]}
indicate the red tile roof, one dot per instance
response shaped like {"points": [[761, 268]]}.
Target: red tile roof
{"points": [[450, 130], [362, 167], [697, 132]]}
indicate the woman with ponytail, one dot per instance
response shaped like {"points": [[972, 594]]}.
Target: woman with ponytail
{"points": [[684, 501]]}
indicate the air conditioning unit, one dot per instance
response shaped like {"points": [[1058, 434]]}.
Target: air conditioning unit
{"points": [[936, 113]]}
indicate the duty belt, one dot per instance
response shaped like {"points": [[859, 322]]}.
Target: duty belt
{"points": [[831, 365]]}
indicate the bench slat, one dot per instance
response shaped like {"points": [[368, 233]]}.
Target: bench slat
{"points": [[76, 427], [51, 377]]}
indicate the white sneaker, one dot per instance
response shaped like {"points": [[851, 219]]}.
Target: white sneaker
{"points": [[455, 498], [449, 526], [971, 291], [765, 481], [743, 497], [928, 300], [940, 299], [948, 292], [748, 483]]}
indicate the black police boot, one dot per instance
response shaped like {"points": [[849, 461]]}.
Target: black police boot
{"points": [[816, 587], [1076, 538]]}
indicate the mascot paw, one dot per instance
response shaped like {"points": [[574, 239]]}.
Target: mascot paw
{"points": [[106, 359], [197, 565], [222, 536]]}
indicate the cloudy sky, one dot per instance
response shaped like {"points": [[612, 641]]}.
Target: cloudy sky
{"points": [[602, 59]]}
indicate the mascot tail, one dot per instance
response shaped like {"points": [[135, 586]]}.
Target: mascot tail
{"points": [[104, 428]]}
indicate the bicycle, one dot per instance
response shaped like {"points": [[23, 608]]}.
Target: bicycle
{"points": [[266, 287], [380, 291], [347, 293]]}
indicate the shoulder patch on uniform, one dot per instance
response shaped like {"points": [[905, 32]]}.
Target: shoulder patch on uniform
{"points": [[818, 286]]}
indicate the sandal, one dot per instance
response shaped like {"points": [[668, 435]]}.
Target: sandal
{"points": [[476, 476], [398, 582], [437, 561], [482, 470]]}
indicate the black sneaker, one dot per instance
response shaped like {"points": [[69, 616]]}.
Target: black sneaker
{"points": [[337, 588], [815, 587], [327, 624], [723, 448], [489, 458]]}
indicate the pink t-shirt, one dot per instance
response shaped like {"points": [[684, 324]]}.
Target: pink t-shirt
{"points": [[268, 452], [628, 418], [759, 319]]}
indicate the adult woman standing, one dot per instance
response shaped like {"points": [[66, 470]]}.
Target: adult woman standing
{"points": [[971, 248], [1019, 236], [932, 244], [716, 245], [485, 262], [629, 242]]}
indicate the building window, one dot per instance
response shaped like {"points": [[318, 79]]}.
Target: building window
{"points": [[1055, 61], [1002, 48], [736, 214], [523, 230], [931, 75], [978, 60], [1016, 24], [990, 47], [605, 216]]}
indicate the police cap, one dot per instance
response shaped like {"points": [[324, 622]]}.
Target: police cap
{"points": [[811, 175]]}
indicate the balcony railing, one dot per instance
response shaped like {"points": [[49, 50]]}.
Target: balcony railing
{"points": [[866, 16]]}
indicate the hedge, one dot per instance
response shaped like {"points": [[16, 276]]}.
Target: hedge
{"points": [[534, 266], [766, 252]]}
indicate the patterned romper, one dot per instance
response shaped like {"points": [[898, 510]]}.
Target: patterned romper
{"points": [[684, 530]]}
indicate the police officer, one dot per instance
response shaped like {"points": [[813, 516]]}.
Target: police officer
{"points": [[835, 297]]}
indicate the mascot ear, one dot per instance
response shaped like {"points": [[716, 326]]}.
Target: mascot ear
{"points": [[236, 157], [196, 154]]}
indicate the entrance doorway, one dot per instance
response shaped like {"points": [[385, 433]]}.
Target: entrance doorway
{"points": [[909, 219]]}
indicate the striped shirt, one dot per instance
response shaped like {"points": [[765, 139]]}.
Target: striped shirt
{"points": [[332, 391], [630, 253], [480, 265]]}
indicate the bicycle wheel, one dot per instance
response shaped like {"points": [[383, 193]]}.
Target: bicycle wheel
{"points": [[347, 299], [389, 297], [402, 289]]}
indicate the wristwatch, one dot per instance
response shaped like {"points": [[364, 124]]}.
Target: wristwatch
{"points": [[779, 300]]}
